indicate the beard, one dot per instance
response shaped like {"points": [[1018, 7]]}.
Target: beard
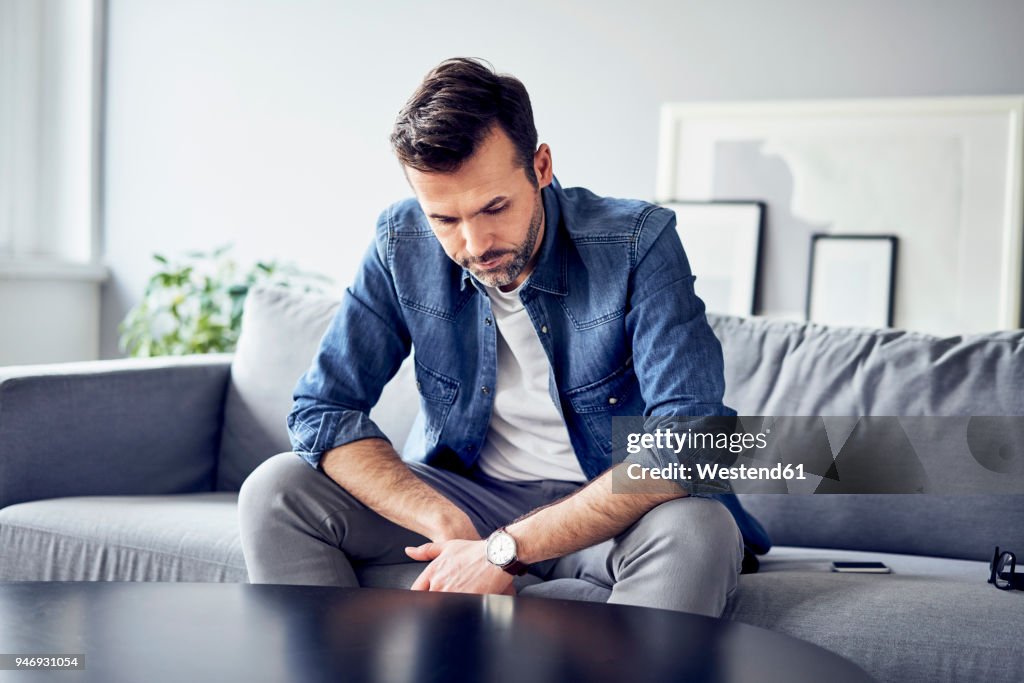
{"points": [[507, 274]]}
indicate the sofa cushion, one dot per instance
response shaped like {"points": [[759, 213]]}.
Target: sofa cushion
{"points": [[930, 620], [281, 330], [963, 526], [784, 368], [776, 367], [185, 537]]}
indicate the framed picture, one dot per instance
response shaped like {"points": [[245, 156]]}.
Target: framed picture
{"points": [[941, 174], [852, 279], [722, 241]]}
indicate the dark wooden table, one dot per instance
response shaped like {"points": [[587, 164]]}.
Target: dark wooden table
{"points": [[239, 632]]}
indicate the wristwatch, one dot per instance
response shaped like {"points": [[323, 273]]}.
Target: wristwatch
{"points": [[501, 552]]}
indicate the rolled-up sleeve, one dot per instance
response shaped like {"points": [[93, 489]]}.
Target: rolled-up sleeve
{"points": [[363, 347]]}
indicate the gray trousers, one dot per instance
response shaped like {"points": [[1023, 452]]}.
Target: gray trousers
{"points": [[298, 526]]}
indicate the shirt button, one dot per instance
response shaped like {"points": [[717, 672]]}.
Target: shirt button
{"points": [[485, 390], [487, 321], [544, 329], [612, 400]]}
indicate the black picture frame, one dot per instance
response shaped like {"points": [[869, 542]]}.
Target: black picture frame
{"points": [[820, 237], [762, 210]]}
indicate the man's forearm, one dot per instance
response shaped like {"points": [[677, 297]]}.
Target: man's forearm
{"points": [[371, 470], [590, 515]]}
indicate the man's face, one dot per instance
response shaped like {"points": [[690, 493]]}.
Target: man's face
{"points": [[487, 215]]}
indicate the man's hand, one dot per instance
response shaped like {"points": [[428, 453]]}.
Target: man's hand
{"points": [[459, 566]]}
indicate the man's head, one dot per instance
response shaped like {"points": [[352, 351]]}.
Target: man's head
{"points": [[468, 145]]}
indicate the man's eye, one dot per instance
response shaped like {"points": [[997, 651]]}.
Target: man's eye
{"points": [[445, 221], [496, 210]]}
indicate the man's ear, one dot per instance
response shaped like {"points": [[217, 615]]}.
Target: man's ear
{"points": [[542, 165]]}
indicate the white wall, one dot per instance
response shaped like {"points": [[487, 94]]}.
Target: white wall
{"points": [[49, 313], [265, 122]]}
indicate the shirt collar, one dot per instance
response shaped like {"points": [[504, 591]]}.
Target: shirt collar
{"points": [[549, 272]]}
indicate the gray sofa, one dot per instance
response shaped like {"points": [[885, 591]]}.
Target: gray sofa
{"points": [[128, 470]]}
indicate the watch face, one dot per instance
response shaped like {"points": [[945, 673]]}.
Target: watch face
{"points": [[501, 549]]}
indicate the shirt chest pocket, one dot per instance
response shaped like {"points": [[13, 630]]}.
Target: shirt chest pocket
{"points": [[437, 394], [617, 394]]}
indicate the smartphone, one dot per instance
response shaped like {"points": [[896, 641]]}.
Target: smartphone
{"points": [[861, 567]]}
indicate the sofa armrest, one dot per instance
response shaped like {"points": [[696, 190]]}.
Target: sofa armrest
{"points": [[111, 427]]}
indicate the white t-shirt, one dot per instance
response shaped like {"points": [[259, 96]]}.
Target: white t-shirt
{"points": [[527, 439]]}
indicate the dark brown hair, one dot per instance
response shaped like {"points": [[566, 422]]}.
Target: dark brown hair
{"points": [[453, 110]]}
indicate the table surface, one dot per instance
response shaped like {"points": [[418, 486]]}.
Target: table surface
{"points": [[227, 632]]}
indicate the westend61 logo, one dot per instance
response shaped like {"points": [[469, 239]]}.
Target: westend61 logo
{"points": [[670, 441], [676, 441], [960, 454]]}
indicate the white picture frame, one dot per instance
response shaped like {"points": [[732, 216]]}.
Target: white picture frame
{"points": [[942, 174], [722, 241]]}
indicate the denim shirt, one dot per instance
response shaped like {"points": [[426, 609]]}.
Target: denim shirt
{"points": [[611, 298], [612, 301]]}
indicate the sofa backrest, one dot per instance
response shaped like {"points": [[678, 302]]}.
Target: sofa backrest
{"points": [[782, 368], [281, 331]]}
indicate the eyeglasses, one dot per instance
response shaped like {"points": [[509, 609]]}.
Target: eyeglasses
{"points": [[1003, 571]]}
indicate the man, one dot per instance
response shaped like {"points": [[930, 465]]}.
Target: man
{"points": [[535, 314]]}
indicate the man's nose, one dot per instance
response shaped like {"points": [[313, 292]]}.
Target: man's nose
{"points": [[478, 239]]}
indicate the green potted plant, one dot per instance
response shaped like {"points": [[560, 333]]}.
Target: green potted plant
{"points": [[194, 305]]}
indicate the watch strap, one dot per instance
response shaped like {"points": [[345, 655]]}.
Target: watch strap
{"points": [[516, 568]]}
